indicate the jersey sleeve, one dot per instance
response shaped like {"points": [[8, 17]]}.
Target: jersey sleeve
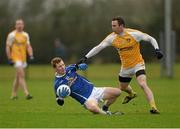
{"points": [[140, 36], [10, 39], [28, 38], [105, 43]]}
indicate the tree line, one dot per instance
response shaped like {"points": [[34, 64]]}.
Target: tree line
{"points": [[82, 24]]}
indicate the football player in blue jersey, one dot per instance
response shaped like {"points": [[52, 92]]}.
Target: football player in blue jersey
{"points": [[82, 90]]}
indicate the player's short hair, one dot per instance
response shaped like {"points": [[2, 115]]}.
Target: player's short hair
{"points": [[55, 61], [119, 19]]}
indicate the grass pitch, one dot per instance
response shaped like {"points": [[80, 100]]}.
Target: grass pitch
{"points": [[42, 110]]}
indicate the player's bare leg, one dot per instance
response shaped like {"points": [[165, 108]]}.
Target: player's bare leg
{"points": [[110, 94], [148, 93], [127, 88], [23, 83], [15, 86], [93, 107]]}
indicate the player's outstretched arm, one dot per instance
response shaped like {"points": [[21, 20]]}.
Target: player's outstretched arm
{"points": [[82, 60], [92, 52], [105, 43], [154, 43]]}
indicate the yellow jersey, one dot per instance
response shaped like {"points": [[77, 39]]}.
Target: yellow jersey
{"points": [[127, 45], [18, 42], [128, 49]]}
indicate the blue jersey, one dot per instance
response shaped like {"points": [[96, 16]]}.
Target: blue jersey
{"points": [[80, 87]]}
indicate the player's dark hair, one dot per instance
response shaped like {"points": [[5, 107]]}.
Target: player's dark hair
{"points": [[120, 20], [55, 61]]}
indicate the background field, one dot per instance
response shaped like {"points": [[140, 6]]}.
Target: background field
{"points": [[43, 111]]}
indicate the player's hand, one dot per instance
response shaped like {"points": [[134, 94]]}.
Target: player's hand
{"points": [[82, 66], [159, 54], [31, 59], [10, 62], [60, 101], [82, 60], [65, 92]]}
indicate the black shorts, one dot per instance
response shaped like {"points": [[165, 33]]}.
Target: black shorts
{"points": [[124, 79]]}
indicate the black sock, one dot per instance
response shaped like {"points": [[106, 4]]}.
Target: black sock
{"points": [[105, 108]]}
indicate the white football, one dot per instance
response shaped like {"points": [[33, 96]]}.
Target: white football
{"points": [[60, 89]]}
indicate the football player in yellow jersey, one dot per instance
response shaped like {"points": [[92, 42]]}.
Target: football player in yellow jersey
{"points": [[126, 41], [17, 47]]}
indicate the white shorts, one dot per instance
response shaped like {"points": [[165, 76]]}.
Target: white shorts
{"points": [[129, 72], [18, 64], [97, 94]]}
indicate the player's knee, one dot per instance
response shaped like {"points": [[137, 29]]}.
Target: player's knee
{"points": [[18, 75], [21, 75], [93, 108], [117, 92]]}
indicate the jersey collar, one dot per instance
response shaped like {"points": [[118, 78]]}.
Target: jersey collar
{"points": [[58, 75]]}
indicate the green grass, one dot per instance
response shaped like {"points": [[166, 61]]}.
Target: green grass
{"points": [[42, 111]]}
